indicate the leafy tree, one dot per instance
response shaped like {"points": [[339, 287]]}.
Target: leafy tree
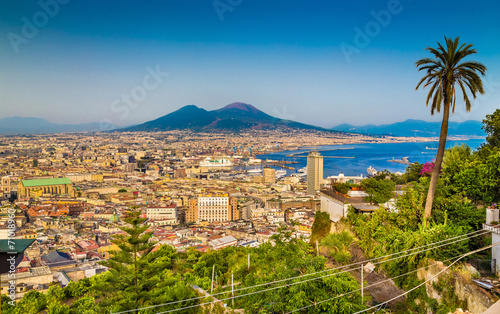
{"points": [[31, 303], [122, 190], [386, 174], [342, 187], [412, 172], [79, 288], [490, 176], [85, 305], [280, 258], [54, 297], [491, 125], [290, 257], [321, 226], [7, 308], [446, 72], [190, 257], [55, 293], [459, 211], [455, 157], [475, 176], [410, 207], [338, 246], [379, 191], [58, 308], [385, 233]]}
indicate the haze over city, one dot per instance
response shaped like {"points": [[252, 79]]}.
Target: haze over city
{"points": [[303, 61]]}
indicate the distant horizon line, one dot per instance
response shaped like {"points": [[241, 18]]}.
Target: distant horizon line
{"points": [[330, 127]]}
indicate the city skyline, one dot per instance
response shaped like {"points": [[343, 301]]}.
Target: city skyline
{"points": [[322, 63]]}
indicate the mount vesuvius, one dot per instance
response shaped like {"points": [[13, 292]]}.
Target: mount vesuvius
{"points": [[235, 116]]}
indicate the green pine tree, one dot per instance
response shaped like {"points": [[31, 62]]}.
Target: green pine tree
{"points": [[127, 266], [140, 277]]}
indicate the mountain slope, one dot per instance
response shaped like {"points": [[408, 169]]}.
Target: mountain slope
{"points": [[187, 117], [235, 116], [19, 125], [416, 128]]}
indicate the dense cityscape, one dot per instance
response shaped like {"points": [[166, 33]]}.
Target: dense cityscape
{"points": [[260, 157], [72, 191], [195, 192]]}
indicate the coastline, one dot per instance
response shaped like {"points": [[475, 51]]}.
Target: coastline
{"points": [[365, 154], [385, 140]]}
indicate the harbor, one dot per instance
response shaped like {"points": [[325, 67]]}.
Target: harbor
{"points": [[377, 155], [317, 150]]}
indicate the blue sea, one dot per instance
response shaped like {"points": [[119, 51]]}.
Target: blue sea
{"points": [[366, 155]]}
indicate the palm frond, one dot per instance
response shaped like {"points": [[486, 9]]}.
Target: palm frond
{"points": [[447, 69], [466, 98]]}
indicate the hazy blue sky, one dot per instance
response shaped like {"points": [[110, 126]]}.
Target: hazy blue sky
{"points": [[74, 61]]}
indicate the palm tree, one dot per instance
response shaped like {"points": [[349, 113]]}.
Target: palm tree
{"points": [[444, 73]]}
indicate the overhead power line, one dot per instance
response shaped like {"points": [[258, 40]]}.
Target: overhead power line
{"points": [[423, 283], [457, 239], [384, 281]]}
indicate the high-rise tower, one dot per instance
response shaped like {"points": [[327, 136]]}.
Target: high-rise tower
{"points": [[269, 175], [314, 172]]}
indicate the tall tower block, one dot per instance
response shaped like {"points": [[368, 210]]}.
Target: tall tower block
{"points": [[314, 172]]}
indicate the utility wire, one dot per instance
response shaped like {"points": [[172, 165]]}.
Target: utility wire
{"points": [[330, 269], [375, 284], [423, 283], [380, 282]]}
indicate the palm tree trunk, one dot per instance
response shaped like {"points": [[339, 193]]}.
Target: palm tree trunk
{"points": [[439, 160]]}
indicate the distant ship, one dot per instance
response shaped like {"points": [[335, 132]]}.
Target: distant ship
{"points": [[209, 162], [254, 161], [431, 148], [280, 173], [302, 172], [403, 160], [371, 171], [255, 170]]}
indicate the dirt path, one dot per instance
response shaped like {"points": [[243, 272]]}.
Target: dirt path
{"points": [[379, 293]]}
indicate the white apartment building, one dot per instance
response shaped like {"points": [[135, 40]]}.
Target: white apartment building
{"points": [[214, 208], [168, 212]]}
